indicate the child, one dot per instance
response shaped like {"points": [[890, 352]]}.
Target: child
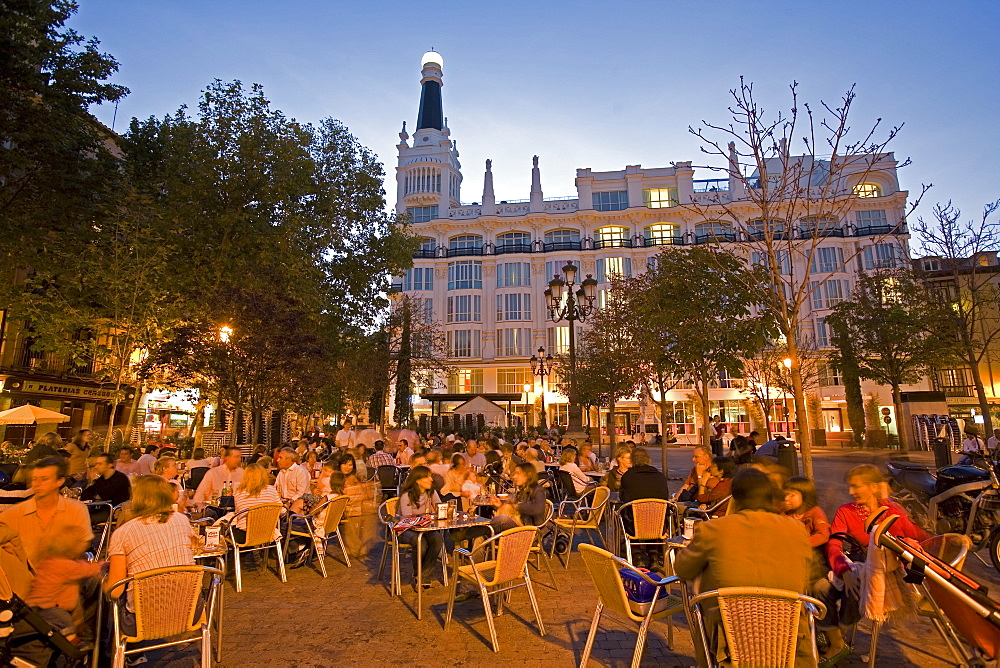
{"points": [[322, 483], [55, 591]]}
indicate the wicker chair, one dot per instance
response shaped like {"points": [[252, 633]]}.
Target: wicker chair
{"points": [[497, 575], [167, 602], [612, 601], [584, 518], [322, 524], [760, 625], [261, 527], [951, 548], [650, 520]]}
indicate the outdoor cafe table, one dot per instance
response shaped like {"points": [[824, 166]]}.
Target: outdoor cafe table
{"points": [[218, 553], [460, 521]]}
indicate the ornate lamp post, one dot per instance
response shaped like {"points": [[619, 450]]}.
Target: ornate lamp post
{"points": [[573, 306], [541, 366]]}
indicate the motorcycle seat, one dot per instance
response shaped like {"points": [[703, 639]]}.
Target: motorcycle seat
{"points": [[920, 481], [911, 466]]}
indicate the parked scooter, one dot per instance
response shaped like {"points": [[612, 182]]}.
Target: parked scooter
{"points": [[953, 499]]}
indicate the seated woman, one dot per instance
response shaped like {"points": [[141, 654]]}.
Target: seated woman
{"points": [[801, 504], [417, 497], [869, 491], [586, 459], [198, 460], [458, 475], [528, 504], [254, 490], [312, 464], [722, 470], [156, 537], [567, 462], [623, 462]]}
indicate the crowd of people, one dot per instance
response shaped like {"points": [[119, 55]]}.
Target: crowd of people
{"points": [[44, 539]]}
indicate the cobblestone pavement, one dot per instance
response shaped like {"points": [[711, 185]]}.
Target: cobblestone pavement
{"points": [[349, 619]]}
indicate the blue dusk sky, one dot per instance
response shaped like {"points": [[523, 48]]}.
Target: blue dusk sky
{"points": [[580, 84]]}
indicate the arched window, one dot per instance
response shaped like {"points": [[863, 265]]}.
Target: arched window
{"points": [[465, 242], [759, 228], [514, 242], [662, 234], [868, 190], [562, 240], [713, 230], [612, 236]]}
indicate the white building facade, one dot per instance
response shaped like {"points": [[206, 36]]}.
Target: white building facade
{"points": [[483, 267]]}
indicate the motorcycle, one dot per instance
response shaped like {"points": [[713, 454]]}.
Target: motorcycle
{"points": [[961, 499]]}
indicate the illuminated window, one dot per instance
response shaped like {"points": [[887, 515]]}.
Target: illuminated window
{"points": [[614, 200], [514, 342], [466, 381], [422, 214], [613, 266], [660, 198], [662, 234], [868, 190], [612, 236], [557, 340], [512, 381]]}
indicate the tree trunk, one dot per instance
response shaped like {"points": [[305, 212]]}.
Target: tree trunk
{"points": [[706, 417], [140, 392], [256, 415], [612, 436], [111, 421], [897, 402], [802, 435], [984, 404]]}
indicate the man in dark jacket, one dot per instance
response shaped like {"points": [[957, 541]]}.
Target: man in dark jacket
{"points": [[106, 484], [643, 481]]}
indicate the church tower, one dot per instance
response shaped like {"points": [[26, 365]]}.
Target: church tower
{"points": [[428, 174]]}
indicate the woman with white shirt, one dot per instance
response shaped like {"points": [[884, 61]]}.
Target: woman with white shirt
{"points": [[567, 462], [417, 497], [254, 490]]}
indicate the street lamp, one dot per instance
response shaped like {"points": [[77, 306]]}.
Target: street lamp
{"points": [[571, 305], [541, 366], [225, 332]]}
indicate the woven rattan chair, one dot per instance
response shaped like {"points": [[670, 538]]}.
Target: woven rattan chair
{"points": [[951, 548], [584, 518], [760, 625], [498, 575], [538, 551], [649, 521], [261, 528], [612, 600], [167, 602], [322, 524]]}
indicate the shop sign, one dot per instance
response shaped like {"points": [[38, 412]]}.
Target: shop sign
{"points": [[56, 389]]}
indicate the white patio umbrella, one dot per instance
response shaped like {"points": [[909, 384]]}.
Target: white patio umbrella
{"points": [[28, 414]]}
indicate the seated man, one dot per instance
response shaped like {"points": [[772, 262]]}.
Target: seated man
{"points": [[699, 480], [125, 463], [753, 547], [642, 480], [292, 482], [106, 483], [770, 449]]}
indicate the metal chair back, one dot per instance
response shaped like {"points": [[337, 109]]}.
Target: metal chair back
{"points": [[599, 503], [335, 509]]}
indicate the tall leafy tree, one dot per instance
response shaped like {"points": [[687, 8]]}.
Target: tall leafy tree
{"points": [[893, 331], [60, 174], [699, 304]]}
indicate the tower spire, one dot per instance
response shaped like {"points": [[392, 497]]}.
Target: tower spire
{"points": [[431, 112], [536, 201], [489, 199]]}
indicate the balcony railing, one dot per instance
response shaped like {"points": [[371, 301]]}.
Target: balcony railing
{"points": [[710, 185], [463, 251], [613, 243]]}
